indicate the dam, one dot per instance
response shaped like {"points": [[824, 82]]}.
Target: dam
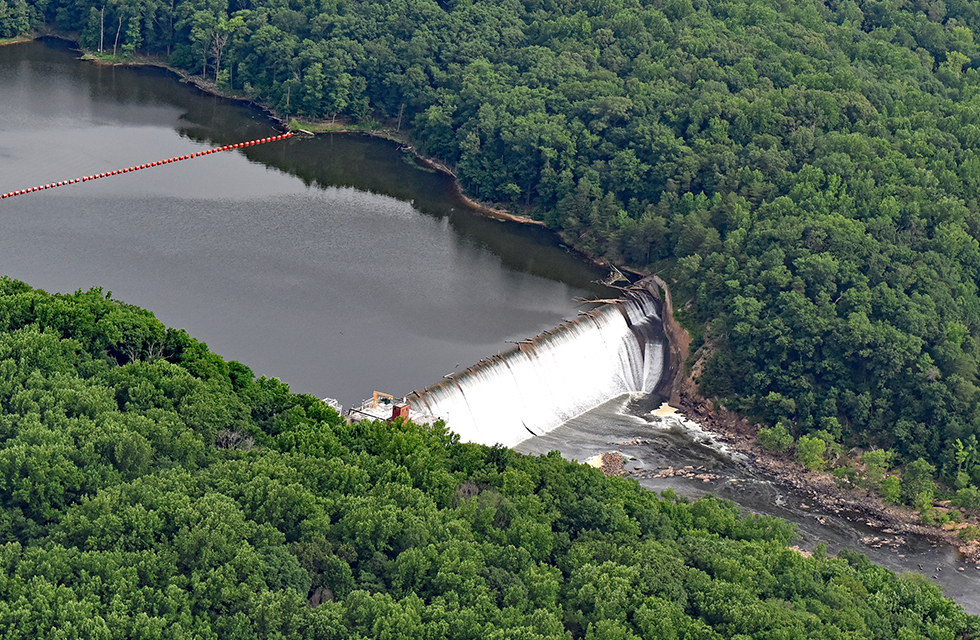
{"points": [[543, 382]]}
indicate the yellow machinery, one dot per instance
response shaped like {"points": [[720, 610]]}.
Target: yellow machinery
{"points": [[378, 394]]}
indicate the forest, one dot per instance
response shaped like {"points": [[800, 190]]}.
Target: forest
{"points": [[149, 489], [804, 171]]}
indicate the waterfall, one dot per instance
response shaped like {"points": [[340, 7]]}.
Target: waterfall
{"points": [[612, 350]]}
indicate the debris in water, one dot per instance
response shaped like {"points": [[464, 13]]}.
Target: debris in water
{"points": [[610, 463], [686, 472], [633, 443], [877, 542], [664, 411]]}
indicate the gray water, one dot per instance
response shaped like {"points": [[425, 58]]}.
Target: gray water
{"points": [[652, 444], [334, 263]]}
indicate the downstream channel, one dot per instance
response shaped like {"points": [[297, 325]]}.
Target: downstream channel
{"points": [[336, 264], [654, 445]]}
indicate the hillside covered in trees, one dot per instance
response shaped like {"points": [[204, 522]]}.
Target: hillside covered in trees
{"points": [[805, 170], [150, 489]]}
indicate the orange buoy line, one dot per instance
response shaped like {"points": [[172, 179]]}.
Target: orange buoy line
{"points": [[158, 163]]}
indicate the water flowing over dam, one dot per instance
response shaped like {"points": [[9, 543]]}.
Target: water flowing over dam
{"points": [[610, 351]]}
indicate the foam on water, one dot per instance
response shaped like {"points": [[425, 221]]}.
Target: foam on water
{"points": [[613, 350]]}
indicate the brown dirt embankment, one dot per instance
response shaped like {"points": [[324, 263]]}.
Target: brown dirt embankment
{"points": [[678, 384], [484, 209], [820, 488]]}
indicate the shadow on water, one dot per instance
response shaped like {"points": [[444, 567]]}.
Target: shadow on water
{"points": [[146, 96], [241, 257], [702, 464], [332, 262], [340, 159]]}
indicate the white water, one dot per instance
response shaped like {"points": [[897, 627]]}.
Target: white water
{"points": [[613, 350], [651, 444]]}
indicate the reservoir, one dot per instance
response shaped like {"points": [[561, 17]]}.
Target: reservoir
{"points": [[336, 264]]}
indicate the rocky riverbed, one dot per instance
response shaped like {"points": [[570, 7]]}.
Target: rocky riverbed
{"points": [[822, 489], [669, 451]]}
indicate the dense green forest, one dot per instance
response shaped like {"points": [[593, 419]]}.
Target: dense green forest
{"points": [[806, 171], [150, 489]]}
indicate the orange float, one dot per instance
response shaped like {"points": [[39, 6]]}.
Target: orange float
{"points": [[157, 163]]}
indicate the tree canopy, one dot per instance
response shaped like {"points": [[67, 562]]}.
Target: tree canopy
{"points": [[805, 170], [150, 489]]}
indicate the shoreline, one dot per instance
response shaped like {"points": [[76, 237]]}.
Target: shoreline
{"points": [[678, 385], [316, 128], [820, 487], [8, 41]]}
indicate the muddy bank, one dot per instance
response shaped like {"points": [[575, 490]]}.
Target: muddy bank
{"points": [[6, 41], [679, 386], [739, 435]]}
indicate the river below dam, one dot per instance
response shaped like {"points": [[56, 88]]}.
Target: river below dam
{"points": [[673, 453], [336, 264]]}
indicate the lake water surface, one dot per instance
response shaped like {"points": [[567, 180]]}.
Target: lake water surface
{"points": [[334, 263]]}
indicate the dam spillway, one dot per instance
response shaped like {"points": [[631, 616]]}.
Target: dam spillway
{"points": [[543, 382]]}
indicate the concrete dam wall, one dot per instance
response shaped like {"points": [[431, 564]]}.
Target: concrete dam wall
{"points": [[612, 350]]}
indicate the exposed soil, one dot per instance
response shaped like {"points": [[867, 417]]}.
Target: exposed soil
{"points": [[678, 385], [821, 488], [6, 41]]}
